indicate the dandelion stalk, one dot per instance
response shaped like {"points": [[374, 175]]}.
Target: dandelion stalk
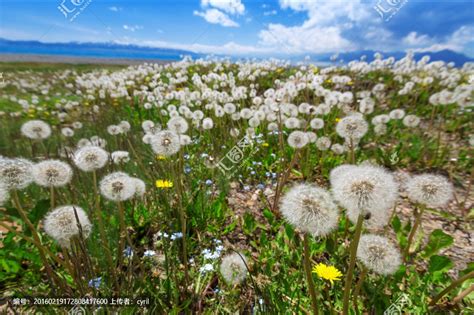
{"points": [[352, 261], [358, 287], [413, 231], [38, 244], [454, 284], [100, 222], [309, 276]]}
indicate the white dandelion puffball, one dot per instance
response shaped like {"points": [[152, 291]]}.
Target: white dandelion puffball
{"points": [[317, 123], [67, 132], [366, 189], [233, 268], [3, 193], [431, 190], [16, 173], [378, 254], [165, 143], [397, 114], [119, 157], [323, 143], [341, 169], [52, 173], [117, 186], [411, 121], [36, 129], [310, 209], [61, 224], [352, 127], [297, 139], [178, 125], [140, 187], [90, 158]]}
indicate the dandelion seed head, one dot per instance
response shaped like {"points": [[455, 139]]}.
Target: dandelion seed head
{"points": [[378, 254], [352, 127], [117, 186], [16, 173], [36, 129], [61, 224], [233, 268], [310, 209], [3, 193], [178, 124], [431, 190], [365, 189], [119, 157], [297, 139], [411, 121], [52, 173], [165, 143], [90, 158]]}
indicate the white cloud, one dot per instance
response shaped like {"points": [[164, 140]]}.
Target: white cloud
{"points": [[415, 39], [229, 6], [322, 31], [272, 12], [299, 39], [215, 16], [132, 28], [457, 41], [115, 9]]}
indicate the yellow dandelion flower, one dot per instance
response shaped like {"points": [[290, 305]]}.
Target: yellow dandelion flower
{"points": [[337, 119], [160, 157], [328, 81], [326, 272], [350, 83], [265, 144], [163, 183]]}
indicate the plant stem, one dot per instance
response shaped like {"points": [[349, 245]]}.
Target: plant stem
{"points": [[413, 231], [103, 236], [49, 270], [358, 287], [51, 189], [350, 271], [454, 284], [463, 294], [309, 276]]}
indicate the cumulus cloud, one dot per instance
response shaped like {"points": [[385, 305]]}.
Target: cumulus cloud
{"points": [[322, 31], [115, 9], [457, 41], [228, 6], [300, 39], [215, 16], [132, 28]]}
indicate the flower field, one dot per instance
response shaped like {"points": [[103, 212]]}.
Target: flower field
{"points": [[218, 187]]}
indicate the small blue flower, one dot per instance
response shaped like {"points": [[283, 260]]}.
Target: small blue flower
{"points": [[246, 187], [149, 253], [260, 186], [95, 283], [128, 252], [208, 182], [187, 169], [176, 235]]}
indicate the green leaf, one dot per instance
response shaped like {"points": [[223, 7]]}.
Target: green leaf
{"points": [[439, 264], [396, 224], [438, 240]]}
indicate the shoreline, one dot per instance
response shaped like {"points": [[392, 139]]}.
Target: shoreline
{"points": [[39, 58]]}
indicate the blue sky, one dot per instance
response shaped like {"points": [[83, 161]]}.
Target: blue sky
{"points": [[243, 27]]}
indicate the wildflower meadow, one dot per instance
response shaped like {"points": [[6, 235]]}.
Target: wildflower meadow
{"points": [[212, 186]]}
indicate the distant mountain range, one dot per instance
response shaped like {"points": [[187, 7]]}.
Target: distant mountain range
{"points": [[113, 50]]}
